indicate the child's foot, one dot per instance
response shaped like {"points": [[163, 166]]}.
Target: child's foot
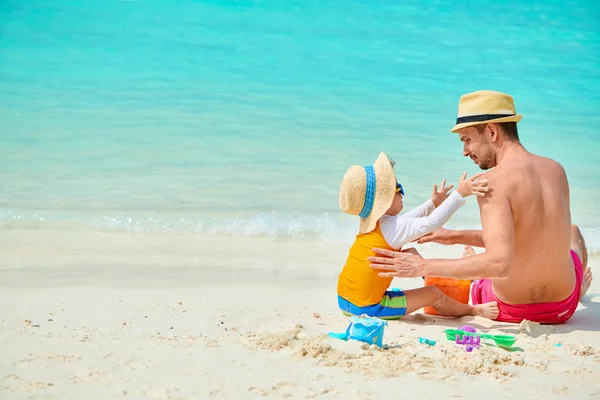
{"points": [[488, 310], [587, 282]]}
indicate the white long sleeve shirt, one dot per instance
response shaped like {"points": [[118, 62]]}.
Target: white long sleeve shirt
{"points": [[401, 229]]}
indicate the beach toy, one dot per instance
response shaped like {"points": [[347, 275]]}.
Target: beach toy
{"points": [[503, 341], [470, 342], [365, 329], [458, 289], [467, 328], [427, 341]]}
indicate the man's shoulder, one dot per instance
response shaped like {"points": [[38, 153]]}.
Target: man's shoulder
{"points": [[549, 170], [501, 182], [547, 162], [520, 168], [498, 177]]}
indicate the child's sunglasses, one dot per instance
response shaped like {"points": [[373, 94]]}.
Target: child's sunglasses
{"points": [[399, 189]]}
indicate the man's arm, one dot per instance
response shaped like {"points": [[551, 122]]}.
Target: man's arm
{"points": [[471, 237], [498, 239], [450, 237]]}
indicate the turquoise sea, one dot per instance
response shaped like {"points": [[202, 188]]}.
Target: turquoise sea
{"points": [[239, 118]]}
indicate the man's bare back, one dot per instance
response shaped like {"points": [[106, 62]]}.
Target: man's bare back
{"points": [[538, 192]]}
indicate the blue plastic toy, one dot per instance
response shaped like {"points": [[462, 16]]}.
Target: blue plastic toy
{"points": [[365, 329], [427, 341]]}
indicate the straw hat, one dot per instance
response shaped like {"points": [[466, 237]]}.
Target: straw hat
{"points": [[483, 107], [368, 191]]}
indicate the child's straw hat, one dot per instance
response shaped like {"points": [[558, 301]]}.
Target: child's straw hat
{"points": [[368, 191], [483, 107]]}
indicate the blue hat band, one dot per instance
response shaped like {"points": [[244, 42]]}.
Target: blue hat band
{"points": [[370, 193]]}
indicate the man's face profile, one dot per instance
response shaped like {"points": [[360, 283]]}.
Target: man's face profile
{"points": [[478, 146]]}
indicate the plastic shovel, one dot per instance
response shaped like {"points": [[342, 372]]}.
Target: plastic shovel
{"points": [[503, 341]]}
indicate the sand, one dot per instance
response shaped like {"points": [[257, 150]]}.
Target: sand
{"points": [[113, 331]]}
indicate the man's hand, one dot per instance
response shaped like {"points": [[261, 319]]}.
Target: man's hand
{"points": [[404, 264], [441, 236], [439, 197]]}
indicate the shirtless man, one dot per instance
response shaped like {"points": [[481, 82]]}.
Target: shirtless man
{"points": [[535, 261]]}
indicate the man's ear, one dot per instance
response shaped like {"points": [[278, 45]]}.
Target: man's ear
{"points": [[494, 131]]}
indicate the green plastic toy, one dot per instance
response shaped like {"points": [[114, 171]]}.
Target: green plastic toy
{"points": [[503, 341]]}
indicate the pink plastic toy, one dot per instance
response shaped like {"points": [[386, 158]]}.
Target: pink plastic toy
{"points": [[470, 342], [468, 328]]}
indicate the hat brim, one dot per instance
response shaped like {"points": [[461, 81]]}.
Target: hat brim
{"points": [[512, 118], [384, 193]]}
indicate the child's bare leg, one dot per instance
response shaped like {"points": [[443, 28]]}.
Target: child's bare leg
{"points": [[432, 296]]}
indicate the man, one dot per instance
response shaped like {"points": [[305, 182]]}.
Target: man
{"points": [[535, 261]]}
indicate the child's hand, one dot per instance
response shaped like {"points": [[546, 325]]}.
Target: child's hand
{"points": [[473, 185], [439, 197]]}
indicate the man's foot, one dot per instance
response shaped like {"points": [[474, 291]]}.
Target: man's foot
{"points": [[468, 252], [587, 282], [488, 310]]}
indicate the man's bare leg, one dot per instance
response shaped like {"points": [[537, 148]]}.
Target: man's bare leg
{"points": [[578, 246], [445, 305]]}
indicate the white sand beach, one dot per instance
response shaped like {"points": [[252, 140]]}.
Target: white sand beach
{"points": [[170, 175], [225, 330]]}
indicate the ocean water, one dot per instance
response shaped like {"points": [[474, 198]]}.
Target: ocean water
{"points": [[234, 120]]}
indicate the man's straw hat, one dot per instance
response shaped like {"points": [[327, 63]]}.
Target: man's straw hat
{"points": [[483, 107], [368, 191]]}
